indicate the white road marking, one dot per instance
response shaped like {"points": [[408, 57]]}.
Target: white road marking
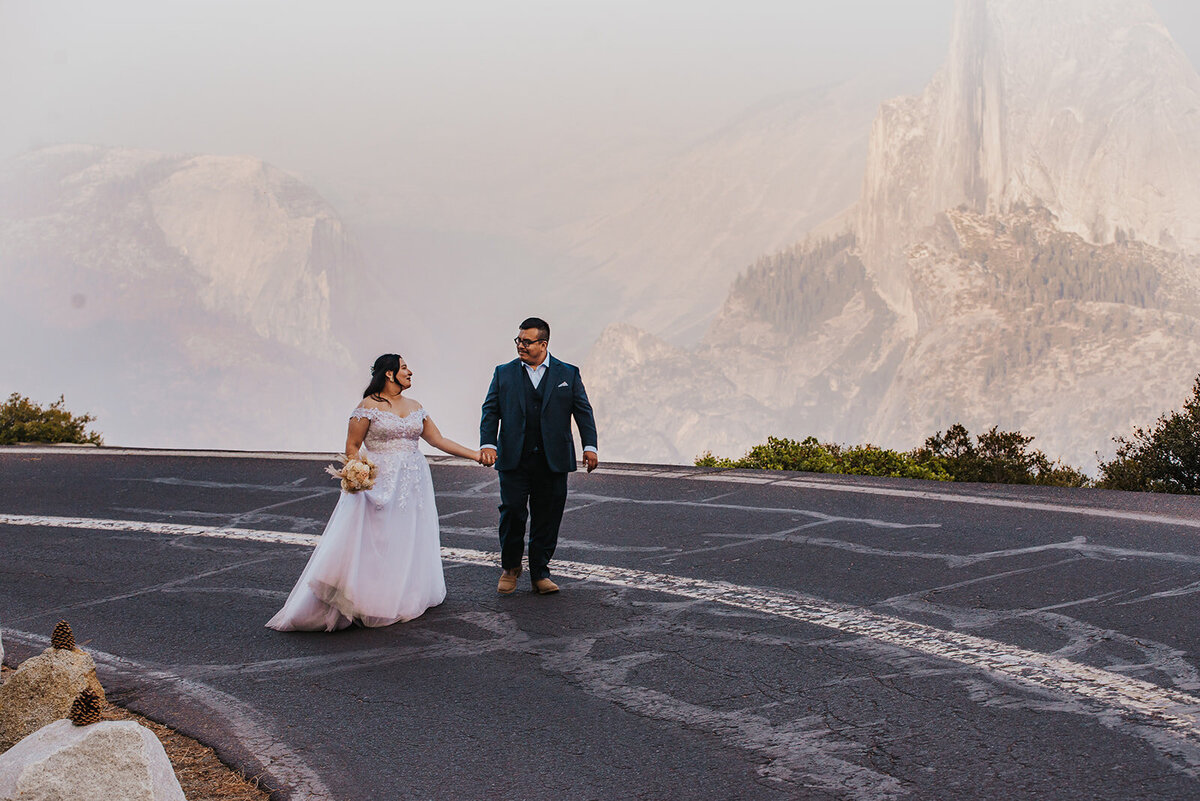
{"points": [[1119, 514], [154, 527], [643, 473], [734, 479], [1176, 711]]}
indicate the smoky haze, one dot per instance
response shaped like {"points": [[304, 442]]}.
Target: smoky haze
{"points": [[468, 147], [445, 96]]}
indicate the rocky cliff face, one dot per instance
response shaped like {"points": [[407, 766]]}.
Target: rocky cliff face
{"points": [[755, 187], [135, 279], [1018, 324], [1021, 255], [798, 337], [1086, 108], [1026, 326]]}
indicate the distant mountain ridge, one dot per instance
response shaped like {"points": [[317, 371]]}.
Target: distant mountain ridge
{"points": [[755, 186], [219, 287], [1020, 255], [231, 228]]}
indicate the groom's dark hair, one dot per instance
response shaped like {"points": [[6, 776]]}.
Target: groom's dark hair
{"points": [[541, 325]]}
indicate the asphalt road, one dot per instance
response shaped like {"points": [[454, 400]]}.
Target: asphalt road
{"points": [[719, 635]]}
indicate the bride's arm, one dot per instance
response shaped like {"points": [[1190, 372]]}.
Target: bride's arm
{"points": [[355, 435], [434, 437]]}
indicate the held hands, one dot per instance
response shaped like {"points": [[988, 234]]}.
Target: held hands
{"points": [[487, 457]]}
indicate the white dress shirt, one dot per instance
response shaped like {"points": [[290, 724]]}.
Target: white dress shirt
{"points": [[537, 371], [536, 374]]}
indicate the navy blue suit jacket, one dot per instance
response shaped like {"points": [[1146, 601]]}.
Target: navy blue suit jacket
{"points": [[503, 420]]}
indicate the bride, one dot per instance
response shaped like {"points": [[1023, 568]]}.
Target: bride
{"points": [[379, 560]]}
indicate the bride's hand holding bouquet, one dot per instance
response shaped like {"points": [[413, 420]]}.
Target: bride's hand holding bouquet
{"points": [[356, 473]]}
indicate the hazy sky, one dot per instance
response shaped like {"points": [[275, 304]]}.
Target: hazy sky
{"points": [[367, 98], [375, 101], [449, 93]]}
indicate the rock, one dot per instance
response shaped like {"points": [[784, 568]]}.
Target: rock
{"points": [[102, 762], [41, 691]]}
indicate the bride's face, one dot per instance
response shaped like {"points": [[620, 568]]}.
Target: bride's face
{"points": [[403, 376]]}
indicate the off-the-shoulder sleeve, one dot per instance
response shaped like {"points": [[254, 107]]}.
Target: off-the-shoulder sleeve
{"points": [[362, 413]]}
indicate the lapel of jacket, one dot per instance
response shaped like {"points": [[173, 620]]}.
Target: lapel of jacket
{"points": [[518, 371], [553, 376]]}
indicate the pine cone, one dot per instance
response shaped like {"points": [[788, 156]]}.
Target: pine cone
{"points": [[85, 709], [63, 637]]}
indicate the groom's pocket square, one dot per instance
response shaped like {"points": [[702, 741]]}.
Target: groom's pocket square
{"points": [[563, 384]]}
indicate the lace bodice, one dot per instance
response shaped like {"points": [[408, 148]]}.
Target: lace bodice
{"points": [[391, 443], [391, 433]]}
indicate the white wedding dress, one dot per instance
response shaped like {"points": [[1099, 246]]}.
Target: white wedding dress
{"points": [[379, 560]]}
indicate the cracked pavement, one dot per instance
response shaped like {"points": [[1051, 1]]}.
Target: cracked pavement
{"points": [[616, 690]]}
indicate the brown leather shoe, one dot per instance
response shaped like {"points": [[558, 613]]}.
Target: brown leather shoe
{"points": [[544, 586], [508, 581]]}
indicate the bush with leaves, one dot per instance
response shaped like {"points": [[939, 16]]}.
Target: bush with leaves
{"points": [[996, 457], [22, 420], [1165, 458], [812, 456]]}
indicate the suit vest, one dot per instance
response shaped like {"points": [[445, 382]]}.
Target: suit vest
{"points": [[534, 443]]}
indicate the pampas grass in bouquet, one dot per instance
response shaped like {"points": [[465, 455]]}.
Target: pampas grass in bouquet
{"points": [[356, 475]]}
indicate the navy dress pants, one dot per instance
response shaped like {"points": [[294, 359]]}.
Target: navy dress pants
{"points": [[533, 493]]}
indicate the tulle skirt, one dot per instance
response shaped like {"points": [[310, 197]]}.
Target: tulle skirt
{"points": [[379, 560]]}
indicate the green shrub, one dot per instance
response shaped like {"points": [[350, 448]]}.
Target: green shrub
{"points": [[707, 459], [867, 460], [996, 456], [812, 456], [787, 454], [22, 420], [1165, 458]]}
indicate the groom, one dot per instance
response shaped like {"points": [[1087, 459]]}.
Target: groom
{"points": [[530, 405]]}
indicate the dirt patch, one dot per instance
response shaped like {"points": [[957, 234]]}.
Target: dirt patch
{"points": [[201, 774]]}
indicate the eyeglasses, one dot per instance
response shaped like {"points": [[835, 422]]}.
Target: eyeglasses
{"points": [[525, 343]]}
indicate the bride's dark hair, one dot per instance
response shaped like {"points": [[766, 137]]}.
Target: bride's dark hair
{"points": [[379, 371]]}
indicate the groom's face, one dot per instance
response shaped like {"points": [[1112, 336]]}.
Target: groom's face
{"points": [[531, 349]]}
